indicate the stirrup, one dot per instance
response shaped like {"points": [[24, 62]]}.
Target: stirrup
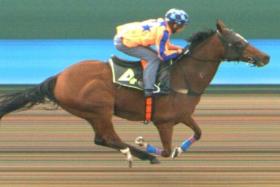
{"points": [[157, 90]]}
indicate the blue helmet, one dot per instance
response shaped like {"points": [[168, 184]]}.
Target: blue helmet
{"points": [[177, 16]]}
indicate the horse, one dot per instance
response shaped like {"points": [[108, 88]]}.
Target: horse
{"points": [[86, 90]]}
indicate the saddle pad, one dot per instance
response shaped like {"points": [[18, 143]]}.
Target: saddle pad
{"points": [[128, 75]]}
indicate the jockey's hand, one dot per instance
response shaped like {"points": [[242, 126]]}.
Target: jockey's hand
{"points": [[180, 50]]}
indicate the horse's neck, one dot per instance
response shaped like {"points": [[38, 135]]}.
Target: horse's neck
{"points": [[202, 75], [195, 74]]}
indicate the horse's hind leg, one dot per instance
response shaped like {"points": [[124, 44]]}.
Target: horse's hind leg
{"points": [[105, 135]]}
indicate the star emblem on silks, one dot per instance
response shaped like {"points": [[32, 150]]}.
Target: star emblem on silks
{"points": [[146, 28]]}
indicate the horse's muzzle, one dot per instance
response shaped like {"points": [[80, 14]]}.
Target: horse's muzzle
{"points": [[259, 62]]}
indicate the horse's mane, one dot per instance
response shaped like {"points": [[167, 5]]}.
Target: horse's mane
{"points": [[199, 37]]}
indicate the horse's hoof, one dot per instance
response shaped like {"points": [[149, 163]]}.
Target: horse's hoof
{"points": [[128, 155], [154, 161], [176, 152]]}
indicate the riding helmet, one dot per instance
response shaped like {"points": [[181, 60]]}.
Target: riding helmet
{"points": [[177, 16]]}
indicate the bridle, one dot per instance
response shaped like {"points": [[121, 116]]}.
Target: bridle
{"points": [[233, 52]]}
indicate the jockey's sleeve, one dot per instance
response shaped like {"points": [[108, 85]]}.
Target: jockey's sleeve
{"points": [[164, 53]]}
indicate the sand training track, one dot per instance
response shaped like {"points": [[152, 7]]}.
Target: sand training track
{"points": [[240, 146]]}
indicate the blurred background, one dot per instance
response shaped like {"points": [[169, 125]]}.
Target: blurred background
{"points": [[40, 38], [240, 146]]}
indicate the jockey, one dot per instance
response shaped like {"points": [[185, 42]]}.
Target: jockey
{"points": [[136, 39]]}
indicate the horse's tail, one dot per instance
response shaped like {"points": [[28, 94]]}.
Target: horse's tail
{"points": [[26, 99]]}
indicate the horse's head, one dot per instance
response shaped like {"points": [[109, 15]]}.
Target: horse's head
{"points": [[237, 48], [200, 60]]}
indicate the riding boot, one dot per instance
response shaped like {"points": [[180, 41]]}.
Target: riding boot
{"points": [[148, 93]]}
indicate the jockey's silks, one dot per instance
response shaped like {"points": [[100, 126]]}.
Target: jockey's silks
{"points": [[150, 32]]}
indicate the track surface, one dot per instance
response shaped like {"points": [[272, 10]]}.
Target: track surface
{"points": [[240, 147]]}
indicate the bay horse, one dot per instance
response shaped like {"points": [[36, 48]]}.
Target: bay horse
{"points": [[86, 90]]}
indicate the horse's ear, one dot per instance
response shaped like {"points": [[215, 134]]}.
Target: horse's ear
{"points": [[220, 26]]}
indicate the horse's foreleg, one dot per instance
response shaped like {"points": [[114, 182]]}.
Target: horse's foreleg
{"points": [[165, 132], [186, 144]]}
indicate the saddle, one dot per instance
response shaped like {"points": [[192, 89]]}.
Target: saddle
{"points": [[130, 74]]}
